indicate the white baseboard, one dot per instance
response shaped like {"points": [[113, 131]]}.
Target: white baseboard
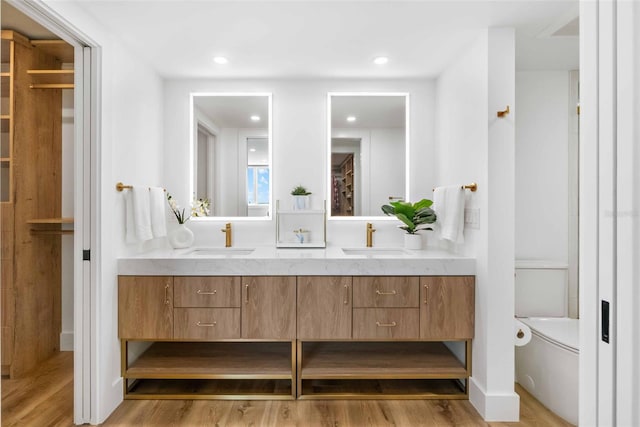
{"points": [[494, 407], [66, 341]]}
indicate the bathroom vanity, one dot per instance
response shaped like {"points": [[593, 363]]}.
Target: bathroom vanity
{"points": [[287, 324]]}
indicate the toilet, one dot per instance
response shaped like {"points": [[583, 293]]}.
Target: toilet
{"points": [[547, 366]]}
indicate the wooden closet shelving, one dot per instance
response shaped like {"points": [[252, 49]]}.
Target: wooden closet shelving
{"points": [[50, 226], [30, 151], [53, 78]]}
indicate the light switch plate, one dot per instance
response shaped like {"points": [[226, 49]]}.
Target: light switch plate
{"points": [[472, 218]]}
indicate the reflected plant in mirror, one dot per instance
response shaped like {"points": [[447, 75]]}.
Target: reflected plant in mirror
{"points": [[368, 148], [232, 153]]}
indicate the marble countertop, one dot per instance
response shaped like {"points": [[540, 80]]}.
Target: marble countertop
{"points": [[270, 261]]}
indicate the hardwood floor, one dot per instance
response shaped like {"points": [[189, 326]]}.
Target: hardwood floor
{"points": [[46, 399]]}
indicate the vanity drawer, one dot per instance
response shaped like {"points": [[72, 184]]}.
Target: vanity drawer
{"points": [[206, 292], [206, 323], [388, 323], [392, 291]]}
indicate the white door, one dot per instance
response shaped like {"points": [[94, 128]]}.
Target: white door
{"points": [[610, 213], [627, 363]]}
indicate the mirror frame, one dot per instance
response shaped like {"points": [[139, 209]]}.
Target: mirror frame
{"points": [[407, 132], [193, 132]]}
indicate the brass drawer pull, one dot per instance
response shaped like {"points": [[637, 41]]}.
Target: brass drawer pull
{"points": [[426, 291], [387, 325], [201, 292], [166, 294], [379, 292], [206, 324], [346, 294], [246, 295]]}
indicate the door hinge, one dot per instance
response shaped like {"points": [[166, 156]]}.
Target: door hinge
{"points": [[86, 254]]}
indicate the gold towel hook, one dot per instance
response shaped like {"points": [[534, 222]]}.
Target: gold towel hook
{"points": [[503, 112]]}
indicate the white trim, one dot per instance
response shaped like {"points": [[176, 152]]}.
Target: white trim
{"points": [[494, 407], [588, 221]]}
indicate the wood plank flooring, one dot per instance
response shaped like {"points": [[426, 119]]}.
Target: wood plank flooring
{"points": [[46, 399]]}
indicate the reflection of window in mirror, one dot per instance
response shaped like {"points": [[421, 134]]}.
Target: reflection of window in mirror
{"points": [[258, 176]]}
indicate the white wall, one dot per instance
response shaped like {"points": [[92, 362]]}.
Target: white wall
{"points": [[542, 133], [542, 169], [473, 145], [299, 132], [130, 133]]}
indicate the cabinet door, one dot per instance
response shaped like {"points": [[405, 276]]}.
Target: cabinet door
{"points": [[145, 307], [324, 307], [447, 307], [269, 307]]}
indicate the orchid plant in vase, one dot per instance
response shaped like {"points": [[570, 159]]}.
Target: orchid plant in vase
{"points": [[182, 237], [199, 208]]}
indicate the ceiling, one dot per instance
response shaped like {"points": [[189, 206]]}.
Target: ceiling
{"points": [[331, 39], [324, 39]]}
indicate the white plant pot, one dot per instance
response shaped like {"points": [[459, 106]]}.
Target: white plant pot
{"points": [[413, 241], [300, 203], [180, 237]]}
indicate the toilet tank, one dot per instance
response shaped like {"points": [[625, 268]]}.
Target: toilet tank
{"points": [[541, 289]]}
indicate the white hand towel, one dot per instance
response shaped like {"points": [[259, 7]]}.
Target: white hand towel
{"points": [[141, 213], [129, 224], [448, 202], [158, 212]]}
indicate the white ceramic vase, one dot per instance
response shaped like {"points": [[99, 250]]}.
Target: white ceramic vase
{"points": [[180, 237], [412, 241], [300, 203]]}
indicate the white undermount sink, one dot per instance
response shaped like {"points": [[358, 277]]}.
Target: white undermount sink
{"points": [[375, 252], [220, 251]]}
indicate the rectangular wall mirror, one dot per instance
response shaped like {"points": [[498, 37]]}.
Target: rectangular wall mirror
{"points": [[231, 153], [368, 152]]}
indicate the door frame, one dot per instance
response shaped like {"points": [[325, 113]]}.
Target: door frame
{"points": [[86, 195]]}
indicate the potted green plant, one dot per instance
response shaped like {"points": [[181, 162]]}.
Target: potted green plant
{"points": [[300, 197], [415, 217]]}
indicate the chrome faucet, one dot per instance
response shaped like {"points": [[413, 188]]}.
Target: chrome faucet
{"points": [[370, 231], [227, 231]]}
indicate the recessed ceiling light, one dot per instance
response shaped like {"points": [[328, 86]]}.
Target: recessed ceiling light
{"points": [[255, 118], [220, 60], [253, 150], [380, 60], [351, 118]]}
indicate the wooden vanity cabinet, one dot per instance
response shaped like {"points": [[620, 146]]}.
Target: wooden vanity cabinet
{"points": [[306, 337], [324, 307], [145, 307], [447, 308]]}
